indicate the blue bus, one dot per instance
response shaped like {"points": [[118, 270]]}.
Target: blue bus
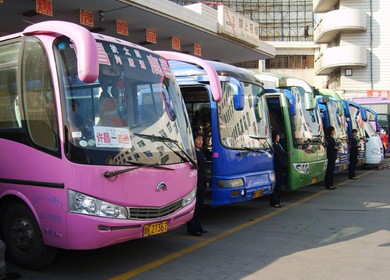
{"points": [[356, 117], [332, 113], [237, 144]]}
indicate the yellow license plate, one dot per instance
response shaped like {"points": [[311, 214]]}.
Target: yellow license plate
{"points": [[257, 193], [155, 228], [344, 166], [313, 180]]}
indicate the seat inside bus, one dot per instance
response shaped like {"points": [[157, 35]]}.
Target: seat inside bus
{"points": [[39, 125]]}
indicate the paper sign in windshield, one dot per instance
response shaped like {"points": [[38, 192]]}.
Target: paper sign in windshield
{"points": [[112, 137]]}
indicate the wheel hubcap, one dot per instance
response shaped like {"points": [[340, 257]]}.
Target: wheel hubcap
{"points": [[23, 236]]}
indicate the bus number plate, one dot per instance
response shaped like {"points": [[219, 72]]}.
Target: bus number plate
{"points": [[257, 193], [155, 228]]}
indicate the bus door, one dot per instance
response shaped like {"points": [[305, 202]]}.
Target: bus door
{"points": [[198, 106]]}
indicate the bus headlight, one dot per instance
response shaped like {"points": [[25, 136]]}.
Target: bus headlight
{"points": [[232, 183], [302, 168], [189, 197], [88, 205], [375, 151], [272, 176]]}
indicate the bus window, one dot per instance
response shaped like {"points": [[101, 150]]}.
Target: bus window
{"points": [[38, 96], [9, 110]]}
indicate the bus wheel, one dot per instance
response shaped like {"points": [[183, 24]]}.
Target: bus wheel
{"points": [[23, 238]]}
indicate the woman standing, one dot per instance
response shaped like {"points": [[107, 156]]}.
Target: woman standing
{"points": [[331, 153], [280, 163], [194, 226]]}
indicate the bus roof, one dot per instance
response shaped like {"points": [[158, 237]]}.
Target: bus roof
{"points": [[182, 69], [328, 92], [282, 81]]}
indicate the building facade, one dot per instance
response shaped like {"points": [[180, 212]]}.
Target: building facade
{"points": [[354, 53]]}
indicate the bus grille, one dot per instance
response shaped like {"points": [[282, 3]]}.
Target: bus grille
{"points": [[149, 213]]}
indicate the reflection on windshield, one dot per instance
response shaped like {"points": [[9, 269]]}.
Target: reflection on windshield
{"points": [[337, 121], [357, 120], [306, 124], [135, 93], [249, 128]]}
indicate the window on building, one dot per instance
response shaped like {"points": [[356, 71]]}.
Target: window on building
{"points": [[290, 62]]}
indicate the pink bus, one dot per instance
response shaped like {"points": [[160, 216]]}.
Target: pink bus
{"points": [[95, 143]]}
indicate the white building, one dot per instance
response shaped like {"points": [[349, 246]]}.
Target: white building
{"points": [[354, 53]]}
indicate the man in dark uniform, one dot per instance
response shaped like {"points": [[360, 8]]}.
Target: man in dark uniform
{"points": [[280, 164], [353, 154], [331, 153], [194, 226]]}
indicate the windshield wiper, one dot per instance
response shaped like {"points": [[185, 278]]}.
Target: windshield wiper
{"points": [[109, 174], [262, 138], [166, 139]]}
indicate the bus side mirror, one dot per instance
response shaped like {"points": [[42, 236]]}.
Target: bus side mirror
{"points": [[291, 101], [238, 94], [341, 111], [309, 101]]}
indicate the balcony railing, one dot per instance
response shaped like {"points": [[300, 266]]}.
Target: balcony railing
{"points": [[322, 6], [343, 56], [337, 21]]}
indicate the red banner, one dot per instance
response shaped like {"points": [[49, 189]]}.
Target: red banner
{"points": [[151, 36], [378, 93], [86, 18], [197, 50], [122, 27], [176, 44], [44, 7]]}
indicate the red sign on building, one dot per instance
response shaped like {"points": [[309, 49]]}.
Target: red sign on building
{"points": [[176, 44], [151, 36], [44, 7], [197, 50], [378, 93], [86, 18], [122, 27]]}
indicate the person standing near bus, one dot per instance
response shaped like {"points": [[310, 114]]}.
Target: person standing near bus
{"points": [[384, 142], [280, 164], [353, 154], [194, 226], [331, 153]]}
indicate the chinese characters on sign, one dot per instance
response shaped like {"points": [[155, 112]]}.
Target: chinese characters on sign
{"points": [[44, 7], [151, 36], [378, 93], [86, 18], [112, 137], [176, 44], [197, 50], [235, 25], [122, 28]]}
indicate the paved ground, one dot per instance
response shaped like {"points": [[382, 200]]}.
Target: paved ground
{"points": [[319, 234]]}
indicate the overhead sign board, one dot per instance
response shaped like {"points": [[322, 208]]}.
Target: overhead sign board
{"points": [[236, 26]]}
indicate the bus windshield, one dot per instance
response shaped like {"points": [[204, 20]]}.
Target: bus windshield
{"points": [[306, 124], [357, 120], [135, 96], [337, 121], [246, 129]]}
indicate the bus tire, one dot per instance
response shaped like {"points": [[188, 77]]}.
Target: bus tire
{"points": [[23, 238]]}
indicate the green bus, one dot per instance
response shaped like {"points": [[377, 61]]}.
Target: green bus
{"points": [[295, 116]]}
